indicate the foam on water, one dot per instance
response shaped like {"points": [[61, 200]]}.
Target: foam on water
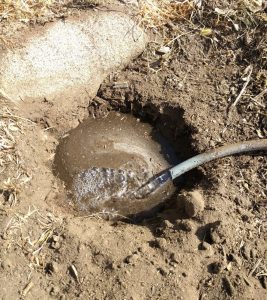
{"points": [[101, 184]]}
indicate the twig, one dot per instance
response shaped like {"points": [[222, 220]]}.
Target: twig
{"points": [[255, 267], [10, 116], [262, 93], [249, 69], [180, 35], [27, 288]]}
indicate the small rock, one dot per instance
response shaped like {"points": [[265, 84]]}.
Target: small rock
{"points": [[55, 245], [163, 50], [229, 267], [193, 203], [131, 2], [55, 238], [173, 265], [212, 144]]}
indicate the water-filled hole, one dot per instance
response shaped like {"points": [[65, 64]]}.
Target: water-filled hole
{"points": [[110, 155]]}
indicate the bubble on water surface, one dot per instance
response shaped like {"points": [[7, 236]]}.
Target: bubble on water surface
{"points": [[98, 185]]}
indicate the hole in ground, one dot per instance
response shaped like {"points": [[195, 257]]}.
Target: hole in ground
{"points": [[116, 150]]}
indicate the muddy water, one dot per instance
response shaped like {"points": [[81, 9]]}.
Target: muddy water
{"points": [[104, 161]]}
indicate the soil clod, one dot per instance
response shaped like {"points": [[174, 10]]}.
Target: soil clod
{"points": [[193, 203]]}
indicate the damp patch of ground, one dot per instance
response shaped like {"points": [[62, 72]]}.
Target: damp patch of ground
{"points": [[210, 241]]}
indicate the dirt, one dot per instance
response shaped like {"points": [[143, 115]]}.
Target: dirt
{"points": [[193, 203], [220, 252]]}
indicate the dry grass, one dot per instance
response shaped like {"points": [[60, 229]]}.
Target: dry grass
{"points": [[27, 10], [31, 230], [12, 173], [107, 214], [154, 13], [157, 13]]}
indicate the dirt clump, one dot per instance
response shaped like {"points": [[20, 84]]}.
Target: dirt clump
{"points": [[193, 203]]}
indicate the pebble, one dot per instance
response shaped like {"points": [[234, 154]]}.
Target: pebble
{"points": [[193, 202], [55, 245], [55, 238], [131, 2], [163, 50], [55, 242]]}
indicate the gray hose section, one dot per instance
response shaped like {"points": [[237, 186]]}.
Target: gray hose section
{"points": [[227, 150]]}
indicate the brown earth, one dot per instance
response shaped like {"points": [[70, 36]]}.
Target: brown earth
{"points": [[185, 251]]}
